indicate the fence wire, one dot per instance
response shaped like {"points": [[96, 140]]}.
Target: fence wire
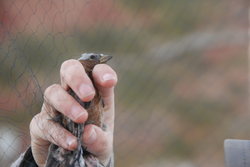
{"points": [[182, 69]]}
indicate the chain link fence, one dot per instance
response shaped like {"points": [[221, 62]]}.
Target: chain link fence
{"points": [[182, 68]]}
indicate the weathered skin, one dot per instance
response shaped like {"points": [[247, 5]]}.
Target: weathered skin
{"points": [[60, 157]]}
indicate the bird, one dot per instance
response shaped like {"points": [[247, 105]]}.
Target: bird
{"points": [[60, 157]]}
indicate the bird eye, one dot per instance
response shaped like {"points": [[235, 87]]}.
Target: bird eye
{"points": [[92, 57]]}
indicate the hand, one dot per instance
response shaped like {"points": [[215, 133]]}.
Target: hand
{"points": [[44, 131]]}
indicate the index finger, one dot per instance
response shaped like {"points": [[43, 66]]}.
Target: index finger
{"points": [[73, 75]]}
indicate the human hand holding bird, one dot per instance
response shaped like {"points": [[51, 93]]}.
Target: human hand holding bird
{"points": [[87, 87]]}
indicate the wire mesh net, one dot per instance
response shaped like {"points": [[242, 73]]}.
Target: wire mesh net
{"points": [[182, 69]]}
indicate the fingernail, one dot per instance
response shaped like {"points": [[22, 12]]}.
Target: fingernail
{"points": [[91, 139], [108, 76], [76, 112], [86, 90], [71, 141]]}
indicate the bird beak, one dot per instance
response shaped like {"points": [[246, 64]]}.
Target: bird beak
{"points": [[105, 58]]}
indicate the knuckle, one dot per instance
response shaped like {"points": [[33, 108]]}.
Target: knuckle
{"points": [[36, 124], [64, 107], [33, 123], [69, 70], [50, 90], [67, 64], [52, 98], [71, 78]]}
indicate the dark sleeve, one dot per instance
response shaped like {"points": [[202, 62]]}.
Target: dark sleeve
{"points": [[27, 160]]}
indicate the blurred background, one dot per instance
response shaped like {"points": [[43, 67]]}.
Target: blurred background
{"points": [[182, 67]]}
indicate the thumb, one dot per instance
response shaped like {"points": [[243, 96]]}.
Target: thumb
{"points": [[98, 142]]}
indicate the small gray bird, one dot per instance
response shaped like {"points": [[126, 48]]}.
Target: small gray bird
{"points": [[60, 157]]}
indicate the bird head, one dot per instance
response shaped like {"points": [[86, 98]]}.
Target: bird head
{"points": [[89, 60]]}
